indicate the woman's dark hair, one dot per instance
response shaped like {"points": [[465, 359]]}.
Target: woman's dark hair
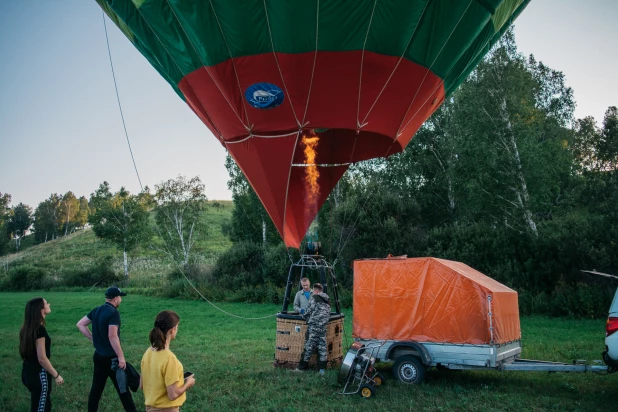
{"points": [[165, 321], [33, 319]]}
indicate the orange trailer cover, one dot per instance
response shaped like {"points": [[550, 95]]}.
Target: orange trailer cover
{"points": [[429, 299]]}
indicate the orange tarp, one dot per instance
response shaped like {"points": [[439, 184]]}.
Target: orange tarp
{"points": [[428, 299]]}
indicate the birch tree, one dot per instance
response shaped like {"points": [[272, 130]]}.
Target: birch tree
{"points": [[44, 224], [179, 203], [47, 219], [81, 218], [431, 170], [69, 207], [120, 218], [5, 201], [19, 221], [513, 113]]}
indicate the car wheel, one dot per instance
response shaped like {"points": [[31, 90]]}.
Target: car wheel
{"points": [[408, 369]]}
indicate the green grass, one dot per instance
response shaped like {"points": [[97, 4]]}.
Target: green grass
{"points": [[232, 360], [147, 266]]}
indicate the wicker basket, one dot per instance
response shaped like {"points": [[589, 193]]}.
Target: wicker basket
{"points": [[290, 343]]}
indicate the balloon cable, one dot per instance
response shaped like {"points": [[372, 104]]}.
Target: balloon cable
{"points": [[118, 98], [142, 187]]}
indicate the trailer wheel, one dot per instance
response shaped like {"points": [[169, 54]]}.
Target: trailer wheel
{"points": [[366, 391], [408, 369]]}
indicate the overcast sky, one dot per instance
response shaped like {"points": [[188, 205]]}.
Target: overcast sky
{"points": [[60, 128]]}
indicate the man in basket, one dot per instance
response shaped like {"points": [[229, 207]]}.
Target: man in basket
{"points": [[301, 300]]}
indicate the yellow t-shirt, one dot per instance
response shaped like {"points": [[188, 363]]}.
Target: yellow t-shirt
{"points": [[160, 369]]}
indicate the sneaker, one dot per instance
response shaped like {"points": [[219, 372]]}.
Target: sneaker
{"points": [[296, 370], [322, 372]]}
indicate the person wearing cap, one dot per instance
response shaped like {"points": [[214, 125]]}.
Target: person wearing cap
{"points": [[105, 337], [317, 316]]}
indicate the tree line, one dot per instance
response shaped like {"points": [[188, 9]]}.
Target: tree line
{"points": [[120, 218], [56, 216]]}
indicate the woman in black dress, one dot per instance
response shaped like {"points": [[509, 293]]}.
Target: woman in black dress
{"points": [[34, 348]]}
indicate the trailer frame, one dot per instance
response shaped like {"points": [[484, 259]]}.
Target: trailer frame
{"points": [[443, 355]]}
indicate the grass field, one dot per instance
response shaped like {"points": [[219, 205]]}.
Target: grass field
{"points": [[232, 360]]}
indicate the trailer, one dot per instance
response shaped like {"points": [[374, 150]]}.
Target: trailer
{"points": [[425, 312]]}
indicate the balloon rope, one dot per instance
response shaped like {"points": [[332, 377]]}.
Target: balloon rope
{"points": [[142, 187], [360, 76], [270, 34], [315, 57], [363, 123], [400, 129], [359, 124], [187, 78], [118, 99], [249, 126], [287, 187]]}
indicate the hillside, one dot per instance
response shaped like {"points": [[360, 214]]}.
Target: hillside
{"points": [[82, 249]]}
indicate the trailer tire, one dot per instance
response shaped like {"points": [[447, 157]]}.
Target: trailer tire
{"points": [[409, 369]]}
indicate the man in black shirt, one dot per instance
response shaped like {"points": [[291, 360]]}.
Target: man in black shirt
{"points": [[105, 337]]}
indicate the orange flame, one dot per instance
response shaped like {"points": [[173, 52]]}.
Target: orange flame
{"points": [[312, 187]]}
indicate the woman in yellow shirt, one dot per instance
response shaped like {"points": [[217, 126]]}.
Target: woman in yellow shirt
{"points": [[162, 377]]}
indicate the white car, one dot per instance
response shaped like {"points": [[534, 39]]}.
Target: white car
{"points": [[610, 356]]}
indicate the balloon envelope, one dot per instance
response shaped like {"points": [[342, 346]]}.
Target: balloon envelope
{"points": [[361, 75]]}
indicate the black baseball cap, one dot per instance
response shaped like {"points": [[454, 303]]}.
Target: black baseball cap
{"points": [[112, 292]]}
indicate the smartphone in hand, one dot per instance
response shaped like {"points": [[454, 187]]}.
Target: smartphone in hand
{"points": [[187, 374]]}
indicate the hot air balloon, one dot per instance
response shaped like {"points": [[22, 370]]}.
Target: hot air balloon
{"points": [[297, 90]]}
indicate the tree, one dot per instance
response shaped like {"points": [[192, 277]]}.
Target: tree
{"points": [[513, 114], [47, 218], [81, 218], [250, 221], [69, 207], [430, 169], [42, 221], [608, 146], [177, 214], [596, 150], [5, 201], [586, 144], [19, 221], [120, 218]]}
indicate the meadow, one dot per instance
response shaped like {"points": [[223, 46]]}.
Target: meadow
{"points": [[233, 363]]}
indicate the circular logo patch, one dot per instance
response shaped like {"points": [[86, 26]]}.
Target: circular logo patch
{"points": [[264, 95]]}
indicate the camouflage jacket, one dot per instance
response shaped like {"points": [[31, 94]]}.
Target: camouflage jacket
{"points": [[318, 312]]}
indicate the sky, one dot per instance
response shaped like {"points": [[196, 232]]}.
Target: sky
{"points": [[61, 129]]}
